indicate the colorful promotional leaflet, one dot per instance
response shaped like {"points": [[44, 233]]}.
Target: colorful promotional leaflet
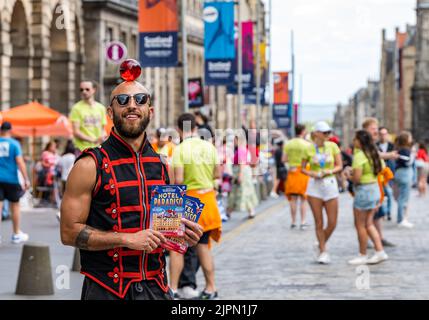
{"points": [[169, 204], [193, 209], [167, 209]]}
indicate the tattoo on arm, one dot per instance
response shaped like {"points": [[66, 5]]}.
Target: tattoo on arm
{"points": [[83, 238]]}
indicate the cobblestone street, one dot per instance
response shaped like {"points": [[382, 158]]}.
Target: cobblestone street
{"points": [[264, 259]]}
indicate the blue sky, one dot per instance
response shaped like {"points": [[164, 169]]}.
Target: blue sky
{"points": [[337, 43]]}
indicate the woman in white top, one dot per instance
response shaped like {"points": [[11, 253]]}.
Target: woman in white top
{"points": [[66, 162]]}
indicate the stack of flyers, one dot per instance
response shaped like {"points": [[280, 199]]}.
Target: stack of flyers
{"points": [[167, 209], [169, 205], [193, 209]]}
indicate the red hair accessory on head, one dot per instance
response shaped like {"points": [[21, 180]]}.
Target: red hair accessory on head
{"points": [[130, 70]]}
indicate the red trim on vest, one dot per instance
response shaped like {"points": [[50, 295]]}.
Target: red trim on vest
{"points": [[160, 282], [131, 275], [147, 208], [105, 166], [121, 268], [113, 211], [130, 209], [130, 230], [143, 215], [122, 296], [130, 253], [155, 182], [114, 189], [111, 187], [150, 159], [114, 254], [124, 184], [98, 182], [97, 187], [115, 163]]}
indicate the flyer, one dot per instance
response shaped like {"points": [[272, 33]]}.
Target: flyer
{"points": [[193, 209], [167, 209]]}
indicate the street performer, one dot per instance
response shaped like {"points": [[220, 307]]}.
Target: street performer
{"points": [[105, 211]]}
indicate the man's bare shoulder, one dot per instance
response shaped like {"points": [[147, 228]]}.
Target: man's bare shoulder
{"points": [[83, 173]]}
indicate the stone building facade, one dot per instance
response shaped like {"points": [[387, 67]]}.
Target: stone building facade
{"points": [[349, 118], [420, 90], [389, 99], [41, 52], [48, 46]]}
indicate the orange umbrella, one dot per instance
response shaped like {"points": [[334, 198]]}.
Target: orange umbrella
{"points": [[32, 114], [61, 128]]}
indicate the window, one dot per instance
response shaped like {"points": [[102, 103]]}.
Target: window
{"points": [[109, 34]]}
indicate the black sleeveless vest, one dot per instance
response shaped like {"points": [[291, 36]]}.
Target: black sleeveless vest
{"points": [[121, 203]]}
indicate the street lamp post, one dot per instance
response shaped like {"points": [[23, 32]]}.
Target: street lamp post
{"points": [[184, 58], [270, 76], [240, 65], [258, 66], [292, 126]]}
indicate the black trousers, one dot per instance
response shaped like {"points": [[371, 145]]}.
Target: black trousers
{"points": [[145, 290], [188, 277]]}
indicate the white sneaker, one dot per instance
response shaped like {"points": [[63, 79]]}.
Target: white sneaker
{"points": [[405, 224], [378, 257], [316, 250], [274, 195], [19, 237], [324, 258], [361, 259], [188, 293]]}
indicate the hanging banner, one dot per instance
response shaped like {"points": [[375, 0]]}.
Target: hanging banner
{"points": [[250, 98], [281, 88], [283, 122], [248, 60], [282, 115], [219, 50], [196, 93], [282, 110], [158, 28]]}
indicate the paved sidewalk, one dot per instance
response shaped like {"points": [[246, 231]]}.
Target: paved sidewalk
{"points": [[264, 259]]}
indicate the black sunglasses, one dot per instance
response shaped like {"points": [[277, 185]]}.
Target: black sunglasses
{"points": [[124, 99], [84, 89]]}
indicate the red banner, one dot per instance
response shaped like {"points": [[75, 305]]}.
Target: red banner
{"points": [[281, 88]]}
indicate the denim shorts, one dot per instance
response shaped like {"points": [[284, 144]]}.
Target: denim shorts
{"points": [[367, 196]]}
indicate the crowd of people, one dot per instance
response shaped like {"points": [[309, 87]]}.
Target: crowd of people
{"points": [[311, 168], [376, 170]]}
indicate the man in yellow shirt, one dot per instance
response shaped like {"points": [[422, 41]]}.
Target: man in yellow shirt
{"points": [[196, 165], [296, 182], [88, 118]]}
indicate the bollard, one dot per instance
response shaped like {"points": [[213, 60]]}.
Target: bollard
{"points": [[76, 260], [35, 274]]}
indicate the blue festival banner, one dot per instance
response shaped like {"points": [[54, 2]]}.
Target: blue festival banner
{"points": [[282, 115], [250, 98], [219, 44], [282, 110], [158, 29]]}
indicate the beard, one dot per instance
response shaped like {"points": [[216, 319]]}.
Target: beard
{"points": [[128, 130]]}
